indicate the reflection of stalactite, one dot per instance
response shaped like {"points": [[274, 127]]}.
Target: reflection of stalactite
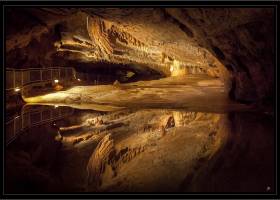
{"points": [[110, 161], [125, 155], [186, 118], [99, 159], [105, 155]]}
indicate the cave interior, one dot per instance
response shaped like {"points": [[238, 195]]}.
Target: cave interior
{"points": [[139, 99]]}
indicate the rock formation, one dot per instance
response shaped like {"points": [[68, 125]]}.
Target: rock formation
{"points": [[234, 44]]}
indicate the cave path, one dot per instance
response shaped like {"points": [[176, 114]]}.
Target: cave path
{"points": [[193, 92]]}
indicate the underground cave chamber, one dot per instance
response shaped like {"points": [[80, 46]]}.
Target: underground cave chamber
{"points": [[139, 100]]}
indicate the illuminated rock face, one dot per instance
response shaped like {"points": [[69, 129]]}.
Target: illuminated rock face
{"points": [[234, 44], [156, 155]]}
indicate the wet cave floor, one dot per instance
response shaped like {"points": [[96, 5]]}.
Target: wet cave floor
{"points": [[194, 92], [156, 136]]}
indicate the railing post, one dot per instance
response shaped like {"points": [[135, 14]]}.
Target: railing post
{"points": [[22, 120], [21, 78], [74, 73], [29, 120], [28, 81], [14, 78], [14, 128]]}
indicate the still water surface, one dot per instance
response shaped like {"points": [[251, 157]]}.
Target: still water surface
{"points": [[51, 149]]}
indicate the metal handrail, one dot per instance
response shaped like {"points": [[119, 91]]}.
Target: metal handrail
{"points": [[15, 132], [50, 70], [26, 69]]}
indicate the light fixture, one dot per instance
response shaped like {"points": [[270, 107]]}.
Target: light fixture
{"points": [[56, 106], [79, 79], [17, 89], [171, 69], [56, 81]]}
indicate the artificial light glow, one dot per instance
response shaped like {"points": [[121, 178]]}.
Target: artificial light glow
{"points": [[79, 79], [171, 69], [56, 106], [56, 81], [17, 89]]}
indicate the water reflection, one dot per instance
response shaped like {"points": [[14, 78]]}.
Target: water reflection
{"points": [[61, 149], [34, 116]]}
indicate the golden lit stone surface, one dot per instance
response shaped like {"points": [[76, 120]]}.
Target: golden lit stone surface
{"points": [[156, 100]]}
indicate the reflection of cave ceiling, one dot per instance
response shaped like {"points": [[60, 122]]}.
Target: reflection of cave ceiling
{"points": [[190, 40]]}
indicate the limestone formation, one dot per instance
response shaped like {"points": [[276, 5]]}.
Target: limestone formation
{"points": [[234, 44]]}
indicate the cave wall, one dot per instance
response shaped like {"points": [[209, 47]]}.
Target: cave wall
{"points": [[234, 44], [243, 40]]}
